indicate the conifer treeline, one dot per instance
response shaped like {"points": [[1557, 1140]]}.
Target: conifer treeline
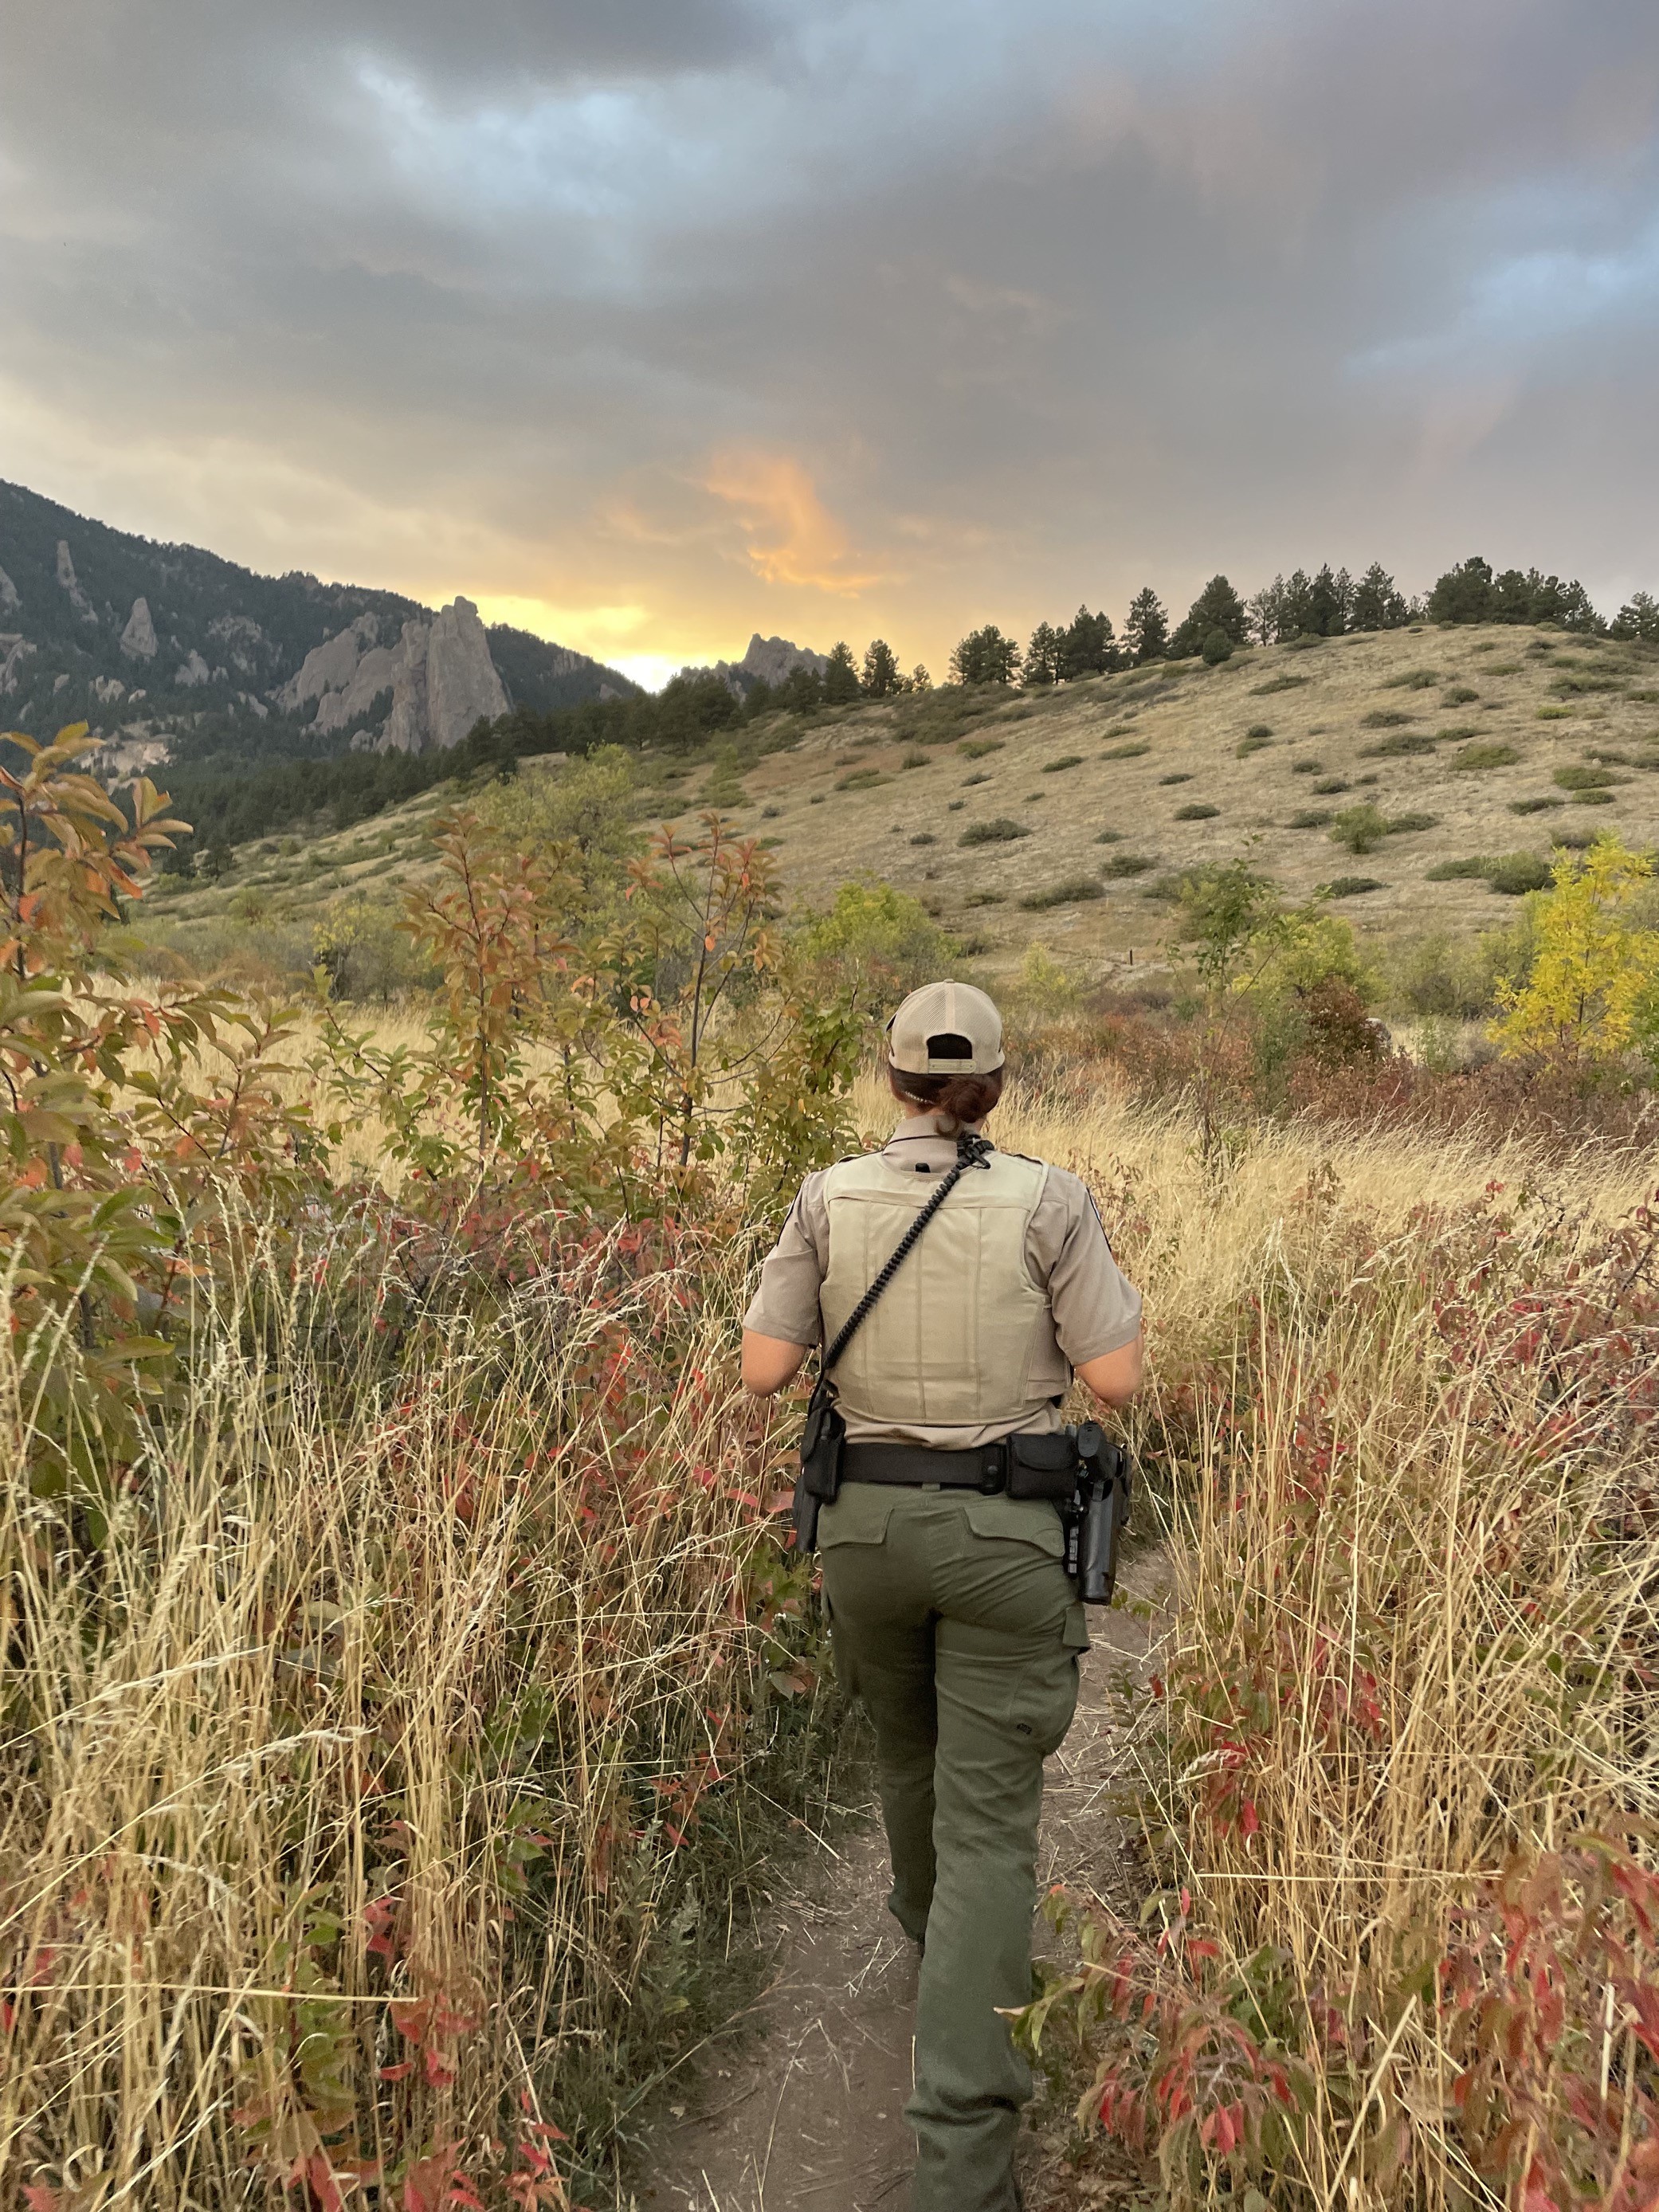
{"points": [[231, 799]]}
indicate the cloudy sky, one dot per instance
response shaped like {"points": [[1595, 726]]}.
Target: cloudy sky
{"points": [[653, 322]]}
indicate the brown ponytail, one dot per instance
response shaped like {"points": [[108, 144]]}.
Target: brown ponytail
{"points": [[958, 1100]]}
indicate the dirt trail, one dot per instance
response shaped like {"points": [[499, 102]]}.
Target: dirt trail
{"points": [[808, 2116]]}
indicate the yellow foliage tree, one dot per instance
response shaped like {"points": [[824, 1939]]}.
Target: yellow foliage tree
{"points": [[1592, 989]]}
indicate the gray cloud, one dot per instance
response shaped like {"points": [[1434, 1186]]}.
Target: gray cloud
{"points": [[682, 316]]}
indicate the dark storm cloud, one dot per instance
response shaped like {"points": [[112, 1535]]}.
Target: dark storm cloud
{"points": [[697, 315]]}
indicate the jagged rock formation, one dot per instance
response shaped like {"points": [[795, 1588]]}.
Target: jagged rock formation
{"points": [[440, 674], [138, 638], [773, 659], [768, 660], [241, 662], [70, 583], [15, 651], [461, 683]]}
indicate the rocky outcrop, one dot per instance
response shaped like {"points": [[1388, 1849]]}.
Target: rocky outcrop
{"points": [[138, 638], [9, 601], [769, 659], [247, 643], [192, 671], [462, 685], [440, 674], [774, 657], [14, 652], [345, 675], [70, 583], [106, 689]]}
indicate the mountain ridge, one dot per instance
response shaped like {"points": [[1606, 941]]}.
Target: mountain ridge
{"points": [[171, 651]]}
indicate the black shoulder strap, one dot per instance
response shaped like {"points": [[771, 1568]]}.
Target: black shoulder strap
{"points": [[971, 1152]]}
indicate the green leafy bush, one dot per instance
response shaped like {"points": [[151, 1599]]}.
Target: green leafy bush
{"points": [[1351, 886], [1066, 761], [1122, 866], [1384, 718], [1473, 758], [1196, 810], [1514, 874], [1002, 830], [1067, 893], [1412, 742], [1574, 778]]}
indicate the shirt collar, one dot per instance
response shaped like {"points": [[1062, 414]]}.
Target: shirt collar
{"points": [[919, 1126]]}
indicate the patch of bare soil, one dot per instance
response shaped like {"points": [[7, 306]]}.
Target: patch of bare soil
{"points": [[807, 2114]]}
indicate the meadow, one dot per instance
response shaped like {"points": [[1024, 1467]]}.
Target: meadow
{"points": [[409, 1690]]}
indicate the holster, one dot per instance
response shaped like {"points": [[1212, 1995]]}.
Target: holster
{"points": [[822, 1443]]}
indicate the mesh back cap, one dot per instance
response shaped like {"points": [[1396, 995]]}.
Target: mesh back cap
{"points": [[948, 1015]]}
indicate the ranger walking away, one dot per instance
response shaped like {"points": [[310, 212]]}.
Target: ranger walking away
{"points": [[956, 1290]]}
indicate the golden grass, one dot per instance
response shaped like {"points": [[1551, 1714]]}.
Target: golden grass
{"points": [[487, 1605], [350, 1641]]}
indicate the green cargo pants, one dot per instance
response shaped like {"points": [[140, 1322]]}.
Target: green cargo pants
{"points": [[954, 1622]]}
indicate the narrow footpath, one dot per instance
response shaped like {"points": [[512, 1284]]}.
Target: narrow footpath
{"points": [[805, 2112]]}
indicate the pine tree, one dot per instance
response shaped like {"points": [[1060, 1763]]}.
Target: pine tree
{"points": [[840, 678], [1145, 627], [1218, 607], [1463, 594], [1637, 618], [1296, 609], [985, 656], [1376, 605], [1329, 600], [1041, 657], [881, 676], [1267, 612], [1088, 646]]}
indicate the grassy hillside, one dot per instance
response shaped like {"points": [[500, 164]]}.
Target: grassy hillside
{"points": [[1469, 746]]}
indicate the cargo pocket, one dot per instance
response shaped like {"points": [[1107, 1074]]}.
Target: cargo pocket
{"points": [[1017, 1521], [1044, 1700], [859, 1515]]}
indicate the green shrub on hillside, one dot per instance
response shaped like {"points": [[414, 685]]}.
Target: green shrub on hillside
{"points": [[1068, 893], [1000, 830], [1415, 679], [1196, 810], [1122, 866], [1575, 778], [1536, 805], [1127, 752], [1066, 760], [1384, 718], [1475, 757], [1460, 695], [1276, 684], [1351, 886], [1412, 743]]}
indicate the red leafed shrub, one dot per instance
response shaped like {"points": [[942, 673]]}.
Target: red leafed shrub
{"points": [[1551, 2007]]}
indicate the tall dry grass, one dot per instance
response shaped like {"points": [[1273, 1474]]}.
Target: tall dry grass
{"points": [[366, 1809], [1399, 1427]]}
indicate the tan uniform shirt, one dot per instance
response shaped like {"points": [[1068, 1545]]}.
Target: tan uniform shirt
{"points": [[1094, 1310]]}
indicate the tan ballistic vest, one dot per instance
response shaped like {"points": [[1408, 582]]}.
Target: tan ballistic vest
{"points": [[962, 1336]]}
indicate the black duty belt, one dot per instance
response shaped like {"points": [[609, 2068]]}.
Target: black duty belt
{"points": [[910, 1465], [1038, 1466]]}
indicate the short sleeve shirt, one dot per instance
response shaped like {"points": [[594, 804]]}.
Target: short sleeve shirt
{"points": [[1096, 1309]]}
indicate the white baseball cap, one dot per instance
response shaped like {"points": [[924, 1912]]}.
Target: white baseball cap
{"points": [[945, 1029]]}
